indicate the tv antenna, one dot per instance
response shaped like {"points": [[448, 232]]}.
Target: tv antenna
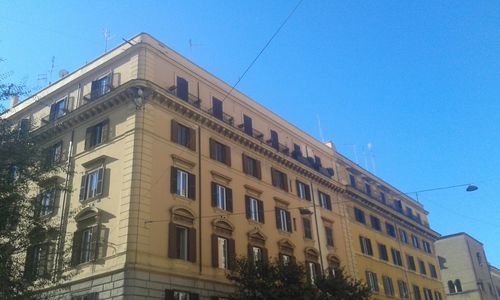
{"points": [[320, 129], [107, 38], [191, 45], [52, 64]]}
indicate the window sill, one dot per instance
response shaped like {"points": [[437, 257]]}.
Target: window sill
{"points": [[185, 198], [253, 222], [285, 233]]}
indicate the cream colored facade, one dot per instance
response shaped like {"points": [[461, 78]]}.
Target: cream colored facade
{"points": [[466, 273], [169, 184]]}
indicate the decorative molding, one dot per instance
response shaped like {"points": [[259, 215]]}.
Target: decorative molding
{"points": [[221, 178], [182, 162], [252, 191], [281, 202]]}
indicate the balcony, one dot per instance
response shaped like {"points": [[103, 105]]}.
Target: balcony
{"points": [[225, 117], [191, 99], [279, 147], [255, 133]]}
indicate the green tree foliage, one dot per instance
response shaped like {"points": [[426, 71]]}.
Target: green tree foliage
{"points": [[274, 280], [27, 176], [341, 287]]}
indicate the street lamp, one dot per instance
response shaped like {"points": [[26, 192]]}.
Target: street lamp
{"points": [[470, 188]]}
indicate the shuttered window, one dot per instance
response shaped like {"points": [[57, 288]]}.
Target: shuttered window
{"points": [[279, 179], [388, 286], [329, 236], [257, 253], [96, 135], [92, 184], [307, 228], [223, 252], [283, 220], [182, 242], [251, 166], [411, 262], [372, 281], [101, 86], [324, 200], [254, 209], [396, 257], [303, 190], [382, 251], [180, 295], [366, 245], [88, 244], [403, 289], [220, 152], [222, 197], [39, 261], [182, 183], [183, 135], [182, 88], [58, 109]]}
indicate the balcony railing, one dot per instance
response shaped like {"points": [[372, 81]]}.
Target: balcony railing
{"points": [[280, 147], [255, 133], [191, 99], [225, 117]]}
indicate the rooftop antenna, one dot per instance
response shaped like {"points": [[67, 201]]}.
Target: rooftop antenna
{"points": [[372, 157], [320, 129], [107, 37], [52, 63], [191, 45]]}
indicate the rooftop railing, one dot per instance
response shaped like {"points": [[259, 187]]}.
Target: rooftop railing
{"points": [[225, 117], [191, 99]]}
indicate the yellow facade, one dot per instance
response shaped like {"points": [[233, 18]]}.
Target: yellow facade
{"points": [[152, 153]]}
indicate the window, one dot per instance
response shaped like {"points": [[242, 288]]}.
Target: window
{"points": [[251, 167], [254, 209], [427, 246], [366, 246], [92, 184], [458, 285], [180, 295], [421, 267], [220, 152], [55, 155], [285, 259], [416, 292], [247, 125], [91, 296], [257, 254], [279, 179], [432, 270], [372, 281], [382, 197], [85, 243], [359, 215], [382, 251], [428, 294], [183, 135], [96, 135], [307, 228], [182, 242], [396, 257], [442, 262], [415, 241], [313, 271], [352, 180], [275, 140], [479, 259], [437, 295], [403, 236], [217, 109], [222, 197], [390, 229], [46, 203], [39, 261], [324, 200], [403, 289], [411, 262], [283, 220], [58, 109], [303, 190], [329, 236], [101, 87], [182, 183], [375, 223], [388, 286], [223, 252], [368, 189], [182, 88]]}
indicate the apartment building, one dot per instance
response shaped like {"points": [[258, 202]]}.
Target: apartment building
{"points": [[465, 271], [173, 178]]}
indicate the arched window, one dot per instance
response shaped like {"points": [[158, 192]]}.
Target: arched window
{"points": [[89, 240], [286, 251], [223, 246], [313, 268], [333, 264], [256, 246], [451, 287], [458, 286]]}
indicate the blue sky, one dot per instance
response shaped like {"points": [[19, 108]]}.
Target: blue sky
{"points": [[418, 80]]}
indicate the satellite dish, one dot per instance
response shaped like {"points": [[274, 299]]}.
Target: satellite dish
{"points": [[63, 73]]}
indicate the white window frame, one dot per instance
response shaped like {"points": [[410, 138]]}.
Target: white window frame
{"points": [[182, 236], [323, 200], [92, 182], [223, 252], [180, 295], [257, 253], [372, 281], [301, 190], [47, 201], [283, 220], [221, 196], [254, 209], [86, 245], [312, 271], [182, 188]]}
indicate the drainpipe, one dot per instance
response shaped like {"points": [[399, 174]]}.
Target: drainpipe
{"points": [[317, 227]]}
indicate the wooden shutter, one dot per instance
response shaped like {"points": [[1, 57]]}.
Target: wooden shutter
{"points": [[173, 180], [250, 253], [83, 188], [215, 251], [229, 199], [297, 184], [231, 253], [248, 207], [104, 131], [308, 192], [100, 181], [52, 114], [77, 247], [274, 177], [192, 245], [169, 295], [88, 137], [214, 194], [49, 264], [217, 110], [288, 221], [174, 131], [192, 139], [285, 181], [182, 88], [191, 186], [227, 155], [172, 240], [261, 211], [94, 245], [278, 217], [317, 267], [258, 172], [244, 159], [212, 148], [247, 125], [265, 254], [274, 140]]}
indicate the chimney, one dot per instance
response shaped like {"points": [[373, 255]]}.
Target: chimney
{"points": [[14, 100]]}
